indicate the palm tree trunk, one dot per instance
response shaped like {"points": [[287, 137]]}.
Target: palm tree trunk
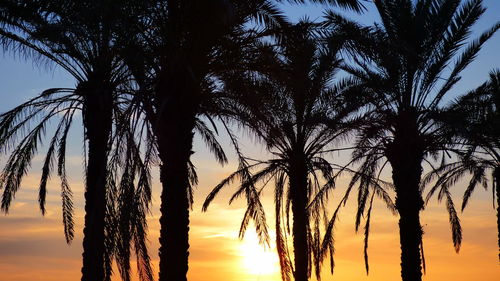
{"points": [[298, 187], [410, 235], [497, 192], [405, 155], [174, 220], [174, 130], [97, 116], [406, 173]]}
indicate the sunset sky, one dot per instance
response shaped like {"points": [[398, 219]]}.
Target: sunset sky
{"points": [[32, 246]]}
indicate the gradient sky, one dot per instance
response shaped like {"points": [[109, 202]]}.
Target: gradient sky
{"points": [[32, 246]]}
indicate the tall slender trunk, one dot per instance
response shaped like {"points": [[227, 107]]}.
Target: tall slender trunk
{"points": [[185, 64], [409, 203], [298, 188], [97, 118], [497, 192], [174, 220], [175, 124], [405, 154]]}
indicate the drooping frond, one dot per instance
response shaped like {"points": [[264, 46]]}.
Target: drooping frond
{"points": [[295, 107]]}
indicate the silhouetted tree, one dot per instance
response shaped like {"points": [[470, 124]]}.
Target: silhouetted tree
{"points": [[178, 60], [80, 37], [474, 120], [186, 62], [294, 107], [402, 61]]}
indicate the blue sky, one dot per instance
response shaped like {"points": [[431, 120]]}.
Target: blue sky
{"points": [[21, 79], [474, 75]]}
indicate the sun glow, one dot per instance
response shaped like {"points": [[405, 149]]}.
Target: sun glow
{"points": [[257, 260]]}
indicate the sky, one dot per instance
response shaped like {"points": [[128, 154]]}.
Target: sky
{"points": [[32, 246]]}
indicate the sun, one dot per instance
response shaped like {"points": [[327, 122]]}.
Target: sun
{"points": [[257, 260]]}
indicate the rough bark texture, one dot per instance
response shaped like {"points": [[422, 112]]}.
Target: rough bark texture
{"points": [[174, 220], [409, 203], [97, 118], [406, 155], [298, 187], [184, 64], [497, 192], [175, 137]]}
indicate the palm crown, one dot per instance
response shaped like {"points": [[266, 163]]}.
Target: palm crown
{"points": [[404, 62]]}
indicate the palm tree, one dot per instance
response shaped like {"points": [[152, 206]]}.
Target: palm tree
{"points": [[404, 61], [181, 57], [187, 57], [80, 37], [474, 119], [23, 128], [297, 111]]}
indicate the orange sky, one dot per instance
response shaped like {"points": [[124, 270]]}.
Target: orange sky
{"points": [[32, 247]]}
